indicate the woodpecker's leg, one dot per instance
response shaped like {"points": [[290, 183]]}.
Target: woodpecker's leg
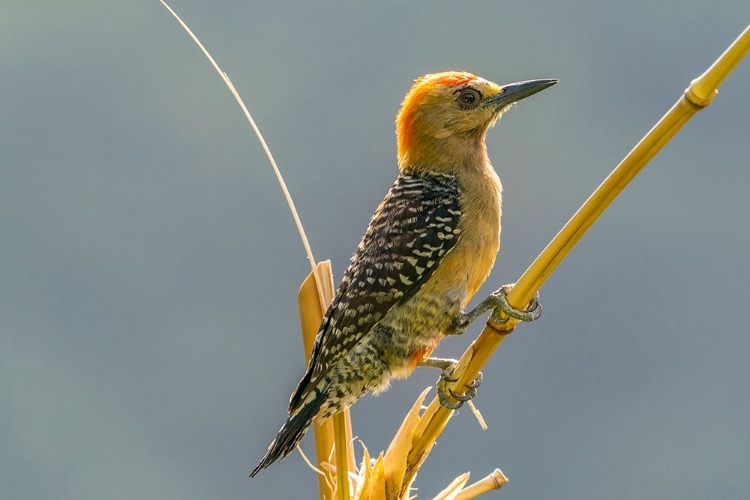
{"points": [[496, 301], [446, 377]]}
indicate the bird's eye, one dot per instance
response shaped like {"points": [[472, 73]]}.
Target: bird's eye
{"points": [[468, 98]]}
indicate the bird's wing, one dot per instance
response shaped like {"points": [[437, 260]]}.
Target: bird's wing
{"points": [[410, 233]]}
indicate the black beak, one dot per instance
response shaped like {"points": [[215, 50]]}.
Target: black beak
{"points": [[514, 92]]}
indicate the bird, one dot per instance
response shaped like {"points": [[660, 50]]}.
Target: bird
{"points": [[429, 246]]}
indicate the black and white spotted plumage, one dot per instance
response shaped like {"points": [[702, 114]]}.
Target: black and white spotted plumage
{"points": [[413, 228], [364, 334]]}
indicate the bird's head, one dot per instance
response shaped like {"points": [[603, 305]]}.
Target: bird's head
{"points": [[445, 116]]}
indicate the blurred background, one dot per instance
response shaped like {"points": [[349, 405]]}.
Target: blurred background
{"points": [[149, 267]]}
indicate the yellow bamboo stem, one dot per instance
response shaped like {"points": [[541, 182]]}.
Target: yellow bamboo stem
{"points": [[493, 481], [314, 296], [339, 436], [309, 304], [344, 453], [454, 488], [703, 89], [696, 97]]}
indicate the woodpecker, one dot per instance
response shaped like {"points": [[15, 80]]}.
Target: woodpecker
{"points": [[430, 245]]}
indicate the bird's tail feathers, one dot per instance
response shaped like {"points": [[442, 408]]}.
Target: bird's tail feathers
{"points": [[291, 433], [299, 391]]}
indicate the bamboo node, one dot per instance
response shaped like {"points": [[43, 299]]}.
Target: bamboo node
{"points": [[700, 101], [501, 329]]}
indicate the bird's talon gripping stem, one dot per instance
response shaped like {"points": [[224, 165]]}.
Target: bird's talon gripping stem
{"points": [[445, 393], [497, 302], [447, 376], [476, 382], [446, 403], [533, 310], [462, 398], [471, 392]]}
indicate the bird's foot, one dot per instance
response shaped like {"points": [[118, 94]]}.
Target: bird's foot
{"points": [[445, 393], [500, 304], [496, 302]]}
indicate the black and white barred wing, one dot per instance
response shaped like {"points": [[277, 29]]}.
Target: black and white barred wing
{"points": [[412, 230]]}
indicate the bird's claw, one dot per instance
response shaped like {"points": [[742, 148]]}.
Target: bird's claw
{"points": [[447, 374], [474, 384], [446, 393], [446, 402], [463, 397], [533, 310]]}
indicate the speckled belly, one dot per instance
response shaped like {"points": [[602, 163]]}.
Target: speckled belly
{"points": [[405, 336]]}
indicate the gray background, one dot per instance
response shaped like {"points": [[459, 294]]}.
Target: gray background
{"points": [[149, 267]]}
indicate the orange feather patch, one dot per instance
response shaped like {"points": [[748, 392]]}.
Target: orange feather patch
{"points": [[406, 131], [420, 356]]}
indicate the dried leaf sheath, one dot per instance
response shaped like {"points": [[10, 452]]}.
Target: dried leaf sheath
{"points": [[311, 306]]}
